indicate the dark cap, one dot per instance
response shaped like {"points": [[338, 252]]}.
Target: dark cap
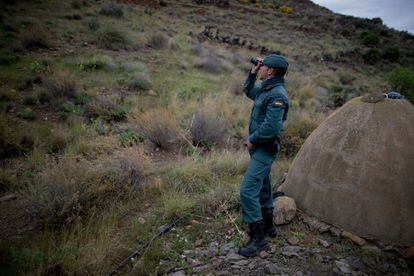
{"points": [[276, 61]]}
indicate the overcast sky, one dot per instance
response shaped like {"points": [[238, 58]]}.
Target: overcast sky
{"points": [[397, 14]]}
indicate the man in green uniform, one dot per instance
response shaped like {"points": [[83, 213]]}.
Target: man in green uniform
{"points": [[270, 108]]}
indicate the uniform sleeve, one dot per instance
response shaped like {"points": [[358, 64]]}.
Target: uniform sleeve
{"points": [[272, 123], [249, 86]]}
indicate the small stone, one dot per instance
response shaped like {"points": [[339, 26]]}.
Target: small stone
{"points": [[198, 242], [235, 266], [178, 273], [241, 262], [326, 259], [354, 238], [324, 243], [371, 248], [152, 93], [227, 247], [234, 257], [336, 232], [263, 254], [293, 240], [315, 224], [408, 253], [298, 273], [270, 269], [285, 210], [291, 251], [251, 265], [7, 197], [343, 266], [198, 269]]}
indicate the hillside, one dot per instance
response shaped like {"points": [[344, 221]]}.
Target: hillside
{"points": [[119, 116]]}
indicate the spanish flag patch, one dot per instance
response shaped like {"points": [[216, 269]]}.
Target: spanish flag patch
{"points": [[278, 103]]}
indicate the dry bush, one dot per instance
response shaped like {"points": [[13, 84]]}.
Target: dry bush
{"points": [[70, 187], [160, 127], [112, 9], [236, 86], [37, 37], [209, 63], [141, 82], [297, 128], [135, 164], [113, 39], [14, 141], [207, 130], [58, 140], [158, 41], [60, 85], [107, 108]]}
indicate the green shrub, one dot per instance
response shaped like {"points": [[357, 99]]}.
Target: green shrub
{"points": [[391, 54], [96, 63], [141, 82], [29, 100], [158, 41], [129, 138], [112, 9], [402, 80], [298, 127], [93, 24], [8, 58], [372, 56], [369, 39], [107, 108], [28, 114]]}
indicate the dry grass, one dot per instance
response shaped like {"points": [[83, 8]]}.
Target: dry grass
{"points": [[70, 187], [37, 37], [160, 127], [207, 130]]}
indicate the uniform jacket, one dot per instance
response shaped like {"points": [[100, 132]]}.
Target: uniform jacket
{"points": [[270, 109]]}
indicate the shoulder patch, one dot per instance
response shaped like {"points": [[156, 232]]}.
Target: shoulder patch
{"points": [[277, 103]]}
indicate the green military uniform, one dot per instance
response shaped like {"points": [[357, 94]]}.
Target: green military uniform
{"points": [[271, 104]]}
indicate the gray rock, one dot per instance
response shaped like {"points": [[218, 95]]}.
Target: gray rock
{"points": [[232, 257], [315, 224], [270, 269], [355, 263], [241, 262], [291, 251], [343, 266], [324, 243], [293, 240], [263, 254], [285, 210], [178, 273], [212, 250], [336, 232], [198, 269], [225, 248], [235, 266]]}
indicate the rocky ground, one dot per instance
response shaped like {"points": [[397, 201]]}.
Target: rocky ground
{"points": [[305, 246]]}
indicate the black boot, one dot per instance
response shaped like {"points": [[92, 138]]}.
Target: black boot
{"points": [[270, 228], [257, 242]]}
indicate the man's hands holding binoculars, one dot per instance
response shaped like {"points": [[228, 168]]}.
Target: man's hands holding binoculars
{"points": [[258, 62]]}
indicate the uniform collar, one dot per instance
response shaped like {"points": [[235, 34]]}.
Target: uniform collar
{"points": [[272, 82]]}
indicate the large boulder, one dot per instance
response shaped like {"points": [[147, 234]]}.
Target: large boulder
{"points": [[356, 171]]}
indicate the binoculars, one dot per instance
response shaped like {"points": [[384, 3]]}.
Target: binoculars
{"points": [[255, 61]]}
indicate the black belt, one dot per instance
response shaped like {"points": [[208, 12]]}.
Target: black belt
{"points": [[271, 146]]}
